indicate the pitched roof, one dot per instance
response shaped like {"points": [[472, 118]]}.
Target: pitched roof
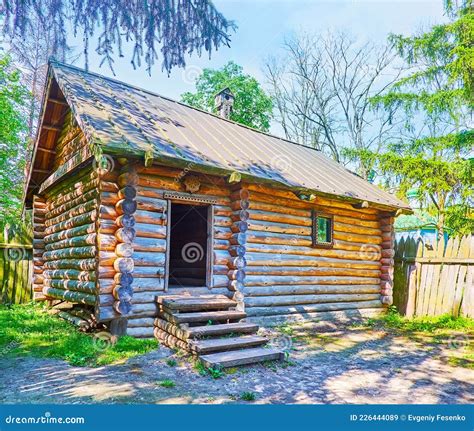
{"points": [[129, 120]]}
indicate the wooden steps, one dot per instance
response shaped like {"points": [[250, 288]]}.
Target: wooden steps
{"points": [[241, 357], [196, 303], [223, 329], [208, 316], [224, 344], [209, 325]]}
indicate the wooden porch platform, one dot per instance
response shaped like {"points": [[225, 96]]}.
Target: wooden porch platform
{"points": [[210, 327]]}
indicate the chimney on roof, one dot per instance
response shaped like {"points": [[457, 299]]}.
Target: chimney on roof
{"points": [[223, 102]]}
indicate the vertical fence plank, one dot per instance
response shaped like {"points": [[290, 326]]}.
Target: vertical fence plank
{"points": [[431, 282]]}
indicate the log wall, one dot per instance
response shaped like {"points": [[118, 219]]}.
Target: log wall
{"points": [[286, 278], [105, 238], [70, 141], [70, 235]]}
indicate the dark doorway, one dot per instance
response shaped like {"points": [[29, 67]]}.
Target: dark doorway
{"points": [[188, 245]]}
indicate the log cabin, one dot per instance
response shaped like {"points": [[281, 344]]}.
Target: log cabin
{"points": [[158, 219]]}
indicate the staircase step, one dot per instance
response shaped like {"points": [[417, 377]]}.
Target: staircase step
{"points": [[224, 344], [196, 303], [241, 357], [206, 316], [223, 329]]}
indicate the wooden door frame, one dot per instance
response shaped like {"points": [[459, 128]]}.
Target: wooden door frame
{"points": [[210, 238]]}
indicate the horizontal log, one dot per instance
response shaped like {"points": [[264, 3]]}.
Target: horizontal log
{"points": [[141, 332], [107, 212], [73, 222], [74, 285], [71, 296], [70, 274], [71, 252], [83, 264], [149, 244], [109, 186], [104, 314], [151, 204], [270, 301], [107, 242], [149, 259], [302, 271], [77, 241], [265, 280], [70, 233], [148, 271], [283, 259], [151, 284], [107, 226], [144, 322], [73, 212], [306, 289], [150, 230], [345, 317], [309, 308]]}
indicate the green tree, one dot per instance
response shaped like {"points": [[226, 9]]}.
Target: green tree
{"points": [[13, 138], [252, 107], [432, 154], [174, 28]]}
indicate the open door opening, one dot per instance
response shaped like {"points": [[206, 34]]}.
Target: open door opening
{"points": [[188, 245]]}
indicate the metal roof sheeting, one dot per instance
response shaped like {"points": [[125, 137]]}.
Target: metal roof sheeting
{"points": [[136, 121]]}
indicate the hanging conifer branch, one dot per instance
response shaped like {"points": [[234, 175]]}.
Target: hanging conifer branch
{"points": [[180, 27]]}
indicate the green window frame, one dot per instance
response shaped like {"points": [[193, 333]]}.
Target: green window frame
{"points": [[322, 230]]}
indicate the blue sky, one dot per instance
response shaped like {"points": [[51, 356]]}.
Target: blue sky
{"points": [[264, 24]]}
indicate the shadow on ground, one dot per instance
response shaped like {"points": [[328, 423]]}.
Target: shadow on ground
{"points": [[326, 365]]}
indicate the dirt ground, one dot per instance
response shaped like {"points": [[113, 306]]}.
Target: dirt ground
{"points": [[326, 364]]}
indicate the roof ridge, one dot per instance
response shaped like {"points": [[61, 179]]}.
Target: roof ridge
{"points": [[118, 81]]}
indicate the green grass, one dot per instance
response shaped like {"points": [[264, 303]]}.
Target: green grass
{"points": [[424, 324], [171, 362], [248, 396], [167, 384], [29, 330]]}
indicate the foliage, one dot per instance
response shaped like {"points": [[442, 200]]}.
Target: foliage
{"points": [[252, 107], [13, 127], [424, 324], [171, 362], [180, 27], [322, 88], [248, 396], [435, 139], [30, 51], [167, 384], [29, 330]]}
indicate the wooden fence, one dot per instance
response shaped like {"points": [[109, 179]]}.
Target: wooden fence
{"points": [[16, 266], [434, 279]]}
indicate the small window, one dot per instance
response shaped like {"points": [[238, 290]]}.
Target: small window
{"points": [[322, 230]]}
